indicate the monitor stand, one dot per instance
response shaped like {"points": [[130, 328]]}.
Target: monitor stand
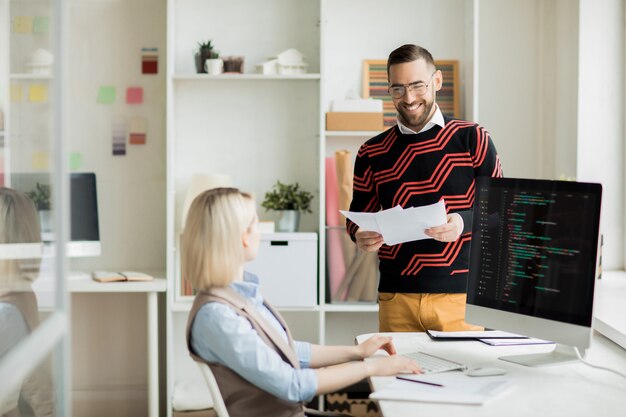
{"points": [[560, 354]]}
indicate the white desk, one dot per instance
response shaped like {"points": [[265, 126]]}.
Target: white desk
{"points": [[570, 390], [150, 288]]}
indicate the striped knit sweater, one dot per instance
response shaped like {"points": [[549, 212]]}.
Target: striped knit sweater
{"points": [[414, 170]]}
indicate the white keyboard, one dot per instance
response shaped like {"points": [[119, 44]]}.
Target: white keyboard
{"points": [[431, 364]]}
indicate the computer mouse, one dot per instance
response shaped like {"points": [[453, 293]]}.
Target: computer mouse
{"points": [[485, 371]]}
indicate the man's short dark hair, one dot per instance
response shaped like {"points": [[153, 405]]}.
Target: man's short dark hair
{"points": [[409, 53]]}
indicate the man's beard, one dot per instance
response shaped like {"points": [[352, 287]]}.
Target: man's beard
{"points": [[416, 122]]}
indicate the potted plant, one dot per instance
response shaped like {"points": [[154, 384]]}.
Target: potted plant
{"points": [[41, 197], [206, 50], [288, 200]]}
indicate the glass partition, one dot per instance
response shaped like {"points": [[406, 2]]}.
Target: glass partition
{"points": [[33, 301]]}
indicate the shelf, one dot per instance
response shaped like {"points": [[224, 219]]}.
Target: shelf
{"points": [[352, 133], [24, 76], [231, 77]]}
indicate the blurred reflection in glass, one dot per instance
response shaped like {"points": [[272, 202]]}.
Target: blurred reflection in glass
{"points": [[19, 314]]}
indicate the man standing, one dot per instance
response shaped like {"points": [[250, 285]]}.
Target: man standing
{"points": [[426, 157]]}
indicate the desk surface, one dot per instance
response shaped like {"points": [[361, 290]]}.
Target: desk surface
{"points": [[89, 285], [570, 390]]}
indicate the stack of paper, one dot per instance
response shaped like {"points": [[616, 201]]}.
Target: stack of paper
{"points": [[398, 225]]}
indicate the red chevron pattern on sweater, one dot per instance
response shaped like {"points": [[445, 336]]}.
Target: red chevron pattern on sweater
{"points": [[414, 170]]}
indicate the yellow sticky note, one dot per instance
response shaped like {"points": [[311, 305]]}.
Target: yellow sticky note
{"points": [[23, 24], [16, 93], [41, 160], [138, 125], [38, 93]]}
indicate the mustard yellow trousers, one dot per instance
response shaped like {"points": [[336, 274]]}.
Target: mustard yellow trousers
{"points": [[407, 312]]}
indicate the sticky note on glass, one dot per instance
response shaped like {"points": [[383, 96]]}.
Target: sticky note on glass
{"points": [[76, 160], [138, 130], [23, 24], [41, 160], [16, 93], [106, 94], [38, 93], [40, 25], [134, 95]]}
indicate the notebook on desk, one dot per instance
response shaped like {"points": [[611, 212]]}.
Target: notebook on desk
{"points": [[450, 387], [110, 276], [473, 335]]}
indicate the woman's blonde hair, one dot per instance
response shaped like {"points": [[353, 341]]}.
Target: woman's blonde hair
{"points": [[211, 245], [19, 223]]}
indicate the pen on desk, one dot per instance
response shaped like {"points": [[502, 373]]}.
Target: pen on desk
{"points": [[419, 382]]}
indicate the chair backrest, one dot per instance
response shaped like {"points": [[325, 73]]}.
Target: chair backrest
{"points": [[214, 389]]}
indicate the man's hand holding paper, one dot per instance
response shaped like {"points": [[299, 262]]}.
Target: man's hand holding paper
{"points": [[398, 225], [448, 232]]}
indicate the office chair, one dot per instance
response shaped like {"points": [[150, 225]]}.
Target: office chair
{"points": [[214, 389]]}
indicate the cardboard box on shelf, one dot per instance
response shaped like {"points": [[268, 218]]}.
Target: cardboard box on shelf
{"points": [[354, 121]]}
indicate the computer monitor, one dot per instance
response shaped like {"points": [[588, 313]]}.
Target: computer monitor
{"points": [[84, 228], [533, 262]]}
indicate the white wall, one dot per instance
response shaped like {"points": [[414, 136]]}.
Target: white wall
{"points": [[105, 41], [601, 116], [109, 331]]}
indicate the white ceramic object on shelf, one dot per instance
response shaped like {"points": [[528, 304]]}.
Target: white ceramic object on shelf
{"points": [[40, 62]]}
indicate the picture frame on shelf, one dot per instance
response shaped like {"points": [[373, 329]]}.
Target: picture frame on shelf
{"points": [[375, 85]]}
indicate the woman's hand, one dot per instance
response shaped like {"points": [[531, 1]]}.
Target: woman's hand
{"points": [[374, 343], [392, 365]]}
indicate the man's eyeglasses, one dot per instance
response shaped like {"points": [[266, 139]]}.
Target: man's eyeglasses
{"points": [[418, 88]]}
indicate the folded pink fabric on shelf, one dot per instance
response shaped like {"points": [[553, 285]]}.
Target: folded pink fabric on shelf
{"points": [[335, 260]]}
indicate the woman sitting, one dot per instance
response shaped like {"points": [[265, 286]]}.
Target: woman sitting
{"points": [[259, 369]]}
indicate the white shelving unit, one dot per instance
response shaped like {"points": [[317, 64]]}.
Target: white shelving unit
{"points": [[259, 129]]}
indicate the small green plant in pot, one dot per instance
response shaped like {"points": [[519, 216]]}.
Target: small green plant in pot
{"points": [[206, 50], [41, 197], [288, 200]]}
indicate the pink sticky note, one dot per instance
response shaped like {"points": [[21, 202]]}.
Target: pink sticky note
{"points": [[134, 95]]}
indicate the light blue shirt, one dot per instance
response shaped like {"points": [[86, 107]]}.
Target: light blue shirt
{"points": [[13, 327], [218, 334]]}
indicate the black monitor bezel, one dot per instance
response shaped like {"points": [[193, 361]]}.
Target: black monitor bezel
{"points": [[585, 315]]}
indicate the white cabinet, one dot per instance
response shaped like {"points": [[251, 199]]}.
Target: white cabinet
{"points": [[287, 267]]}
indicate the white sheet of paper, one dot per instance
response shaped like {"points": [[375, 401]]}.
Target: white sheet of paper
{"points": [[367, 221], [514, 342], [398, 225], [409, 224], [457, 388]]}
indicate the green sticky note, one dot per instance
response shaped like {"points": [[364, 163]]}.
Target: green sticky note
{"points": [[40, 24], [76, 160], [106, 94]]}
